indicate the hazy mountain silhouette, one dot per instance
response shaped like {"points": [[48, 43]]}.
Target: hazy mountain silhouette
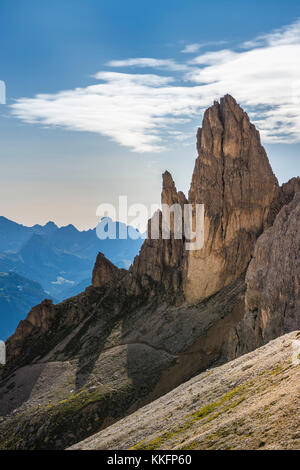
{"points": [[61, 260], [17, 296]]}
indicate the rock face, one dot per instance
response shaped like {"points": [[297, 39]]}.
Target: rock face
{"points": [[38, 321], [234, 180], [284, 196], [134, 335], [161, 260], [105, 273], [273, 282]]}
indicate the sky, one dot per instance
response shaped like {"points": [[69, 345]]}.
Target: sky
{"points": [[103, 96]]}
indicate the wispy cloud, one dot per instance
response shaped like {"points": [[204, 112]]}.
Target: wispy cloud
{"points": [[196, 46], [139, 110], [191, 48], [280, 37], [145, 62], [132, 109], [213, 58]]}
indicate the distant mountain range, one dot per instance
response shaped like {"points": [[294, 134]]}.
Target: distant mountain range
{"points": [[17, 296], [60, 260]]}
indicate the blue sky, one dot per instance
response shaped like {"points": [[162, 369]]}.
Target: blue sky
{"points": [[102, 96]]}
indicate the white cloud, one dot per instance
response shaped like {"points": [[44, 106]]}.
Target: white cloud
{"points": [[140, 110], [167, 64], [212, 58], [284, 36], [131, 109], [60, 280], [192, 48], [133, 79], [263, 78]]}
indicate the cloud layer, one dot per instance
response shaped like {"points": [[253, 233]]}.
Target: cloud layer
{"points": [[139, 110]]}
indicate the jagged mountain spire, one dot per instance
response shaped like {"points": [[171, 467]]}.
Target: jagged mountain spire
{"points": [[235, 182], [131, 337]]}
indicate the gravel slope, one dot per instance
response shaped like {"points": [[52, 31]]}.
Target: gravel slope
{"points": [[252, 402]]}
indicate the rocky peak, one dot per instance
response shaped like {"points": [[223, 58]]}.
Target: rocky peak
{"points": [[235, 182], [284, 196], [168, 182], [38, 321], [161, 260], [123, 342], [169, 193], [105, 273]]}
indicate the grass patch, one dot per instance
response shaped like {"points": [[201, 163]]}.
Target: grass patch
{"points": [[205, 412]]}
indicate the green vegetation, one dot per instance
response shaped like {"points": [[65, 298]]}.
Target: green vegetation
{"points": [[53, 420], [76, 402], [270, 379], [11, 440], [205, 412]]}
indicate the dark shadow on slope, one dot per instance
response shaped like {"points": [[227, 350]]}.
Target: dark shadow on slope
{"points": [[17, 388], [165, 345], [177, 343], [91, 338]]}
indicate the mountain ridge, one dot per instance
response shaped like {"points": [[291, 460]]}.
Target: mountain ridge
{"points": [[17, 296], [60, 259], [134, 335]]}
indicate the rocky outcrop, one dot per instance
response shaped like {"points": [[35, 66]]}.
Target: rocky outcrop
{"points": [[105, 273], [273, 282], [234, 180], [283, 197], [38, 321], [159, 266], [134, 335]]}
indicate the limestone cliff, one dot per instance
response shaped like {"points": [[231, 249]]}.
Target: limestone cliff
{"points": [[273, 282], [234, 180]]}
